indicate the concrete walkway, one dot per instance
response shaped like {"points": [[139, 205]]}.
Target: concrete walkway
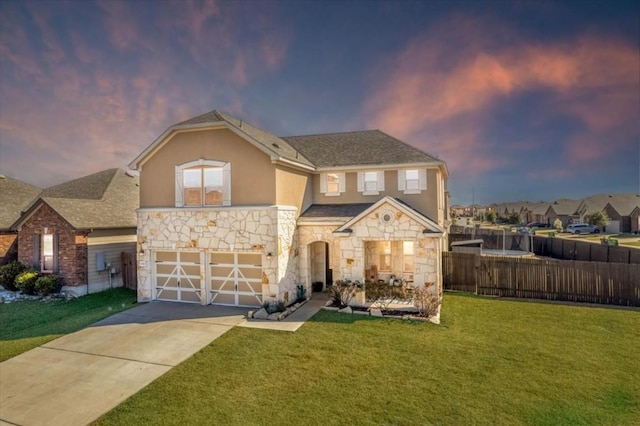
{"points": [[75, 379]]}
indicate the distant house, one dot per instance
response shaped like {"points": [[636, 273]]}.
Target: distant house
{"points": [[15, 197], [79, 229], [617, 206], [564, 209], [619, 209], [537, 212]]}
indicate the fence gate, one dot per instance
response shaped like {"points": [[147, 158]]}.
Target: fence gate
{"points": [[129, 271]]}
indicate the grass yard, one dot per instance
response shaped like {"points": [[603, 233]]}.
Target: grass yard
{"points": [[491, 362], [31, 323]]}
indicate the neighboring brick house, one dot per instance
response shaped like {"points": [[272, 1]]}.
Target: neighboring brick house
{"points": [[15, 197], [79, 229], [231, 214], [565, 210], [619, 209]]}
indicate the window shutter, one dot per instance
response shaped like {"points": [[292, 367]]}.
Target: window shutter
{"points": [[179, 182], [422, 173], [36, 252], [226, 182], [323, 183], [55, 253], [360, 181], [381, 180], [402, 180], [341, 182]]}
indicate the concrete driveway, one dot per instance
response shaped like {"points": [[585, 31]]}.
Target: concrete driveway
{"points": [[75, 379]]}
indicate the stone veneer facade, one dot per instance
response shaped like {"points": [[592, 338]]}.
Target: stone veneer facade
{"points": [[274, 230], [347, 255], [265, 229]]}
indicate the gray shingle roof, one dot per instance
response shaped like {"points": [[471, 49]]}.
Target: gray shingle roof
{"points": [[334, 210], [367, 147], [107, 199], [15, 197], [623, 203]]}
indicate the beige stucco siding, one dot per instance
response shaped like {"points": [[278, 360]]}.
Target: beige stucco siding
{"points": [[293, 188], [252, 172], [425, 202]]}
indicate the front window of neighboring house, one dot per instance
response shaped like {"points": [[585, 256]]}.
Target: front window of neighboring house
{"points": [[371, 182], [203, 183], [48, 255], [332, 184], [412, 181]]}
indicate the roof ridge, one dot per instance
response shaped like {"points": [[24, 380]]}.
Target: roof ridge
{"points": [[332, 133]]}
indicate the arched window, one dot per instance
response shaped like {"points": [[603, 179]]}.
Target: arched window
{"points": [[203, 183]]}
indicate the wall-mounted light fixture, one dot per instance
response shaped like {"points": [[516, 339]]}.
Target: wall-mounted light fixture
{"points": [[269, 256], [141, 252]]}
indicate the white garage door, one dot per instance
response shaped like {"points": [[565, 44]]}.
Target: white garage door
{"points": [[613, 226], [235, 278], [177, 276]]}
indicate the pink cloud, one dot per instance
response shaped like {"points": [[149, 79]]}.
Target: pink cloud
{"points": [[437, 83]]}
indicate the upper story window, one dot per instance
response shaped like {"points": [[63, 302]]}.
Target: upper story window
{"points": [[203, 183], [332, 184], [412, 181], [371, 183]]}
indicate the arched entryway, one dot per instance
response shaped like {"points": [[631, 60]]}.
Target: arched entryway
{"points": [[320, 271]]}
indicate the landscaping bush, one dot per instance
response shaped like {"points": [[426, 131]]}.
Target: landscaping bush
{"points": [[343, 291], [426, 301], [47, 284], [301, 293], [8, 274], [26, 282]]}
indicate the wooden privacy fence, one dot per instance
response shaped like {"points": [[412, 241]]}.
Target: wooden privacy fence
{"points": [[558, 248], [129, 271], [575, 281]]}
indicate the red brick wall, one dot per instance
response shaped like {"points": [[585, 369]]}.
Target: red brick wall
{"points": [[8, 247], [72, 244]]}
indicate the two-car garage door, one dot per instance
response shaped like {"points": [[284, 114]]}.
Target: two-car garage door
{"points": [[229, 278]]}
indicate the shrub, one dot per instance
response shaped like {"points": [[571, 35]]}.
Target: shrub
{"points": [[301, 293], [26, 281], [343, 291], [47, 284], [274, 306], [8, 274], [426, 301]]}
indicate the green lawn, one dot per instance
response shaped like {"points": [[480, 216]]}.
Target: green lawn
{"points": [[31, 323], [491, 362]]}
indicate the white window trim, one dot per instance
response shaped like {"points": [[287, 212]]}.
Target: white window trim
{"points": [[324, 184], [422, 181], [379, 183], [226, 180]]}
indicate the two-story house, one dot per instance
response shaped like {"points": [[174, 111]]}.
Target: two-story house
{"points": [[231, 214]]}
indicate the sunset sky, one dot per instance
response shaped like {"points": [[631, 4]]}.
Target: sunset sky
{"points": [[523, 99]]}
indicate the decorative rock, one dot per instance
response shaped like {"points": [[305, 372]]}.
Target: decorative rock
{"points": [[376, 313], [250, 314], [361, 312], [261, 314], [328, 303], [274, 316], [346, 310]]}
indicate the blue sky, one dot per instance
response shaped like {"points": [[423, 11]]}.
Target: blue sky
{"points": [[523, 100]]}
